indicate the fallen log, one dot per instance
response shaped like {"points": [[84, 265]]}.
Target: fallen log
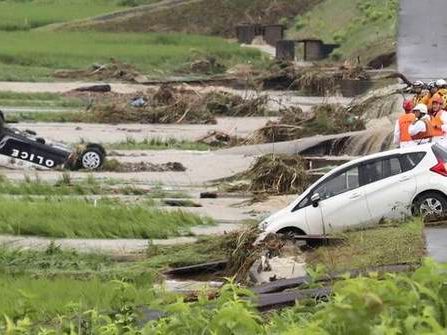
{"points": [[198, 269], [103, 88]]}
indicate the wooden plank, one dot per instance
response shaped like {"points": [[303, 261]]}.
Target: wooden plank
{"points": [[284, 284], [267, 302], [197, 269]]}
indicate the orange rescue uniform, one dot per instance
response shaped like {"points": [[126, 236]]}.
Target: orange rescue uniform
{"points": [[405, 121], [437, 124], [421, 99], [428, 133]]}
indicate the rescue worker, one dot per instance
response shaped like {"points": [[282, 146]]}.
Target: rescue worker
{"points": [[427, 99], [421, 130], [441, 84], [418, 88], [438, 118], [402, 137]]}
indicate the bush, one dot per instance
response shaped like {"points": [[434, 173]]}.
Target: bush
{"points": [[396, 304]]}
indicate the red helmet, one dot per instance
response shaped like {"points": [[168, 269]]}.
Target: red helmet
{"points": [[408, 105]]}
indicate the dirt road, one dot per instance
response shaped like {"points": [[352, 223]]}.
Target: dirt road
{"points": [[74, 132]]}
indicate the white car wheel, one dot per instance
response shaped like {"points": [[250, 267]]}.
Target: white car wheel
{"points": [[431, 207], [91, 160]]}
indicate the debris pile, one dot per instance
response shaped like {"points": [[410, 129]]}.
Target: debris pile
{"points": [[274, 132], [382, 102], [207, 65], [255, 262], [218, 139], [167, 105], [242, 252], [228, 104], [176, 105], [314, 80], [324, 119], [113, 165], [277, 174], [332, 119], [288, 128], [113, 70]]}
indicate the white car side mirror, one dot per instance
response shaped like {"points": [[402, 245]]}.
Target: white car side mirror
{"points": [[315, 199]]}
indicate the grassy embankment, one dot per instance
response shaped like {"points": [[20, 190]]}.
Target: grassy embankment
{"points": [[35, 55], [363, 28], [388, 244], [26, 15]]}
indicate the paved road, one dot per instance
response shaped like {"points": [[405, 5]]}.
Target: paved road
{"points": [[422, 39], [436, 239]]}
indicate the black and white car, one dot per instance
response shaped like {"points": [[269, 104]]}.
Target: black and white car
{"points": [[26, 146]]}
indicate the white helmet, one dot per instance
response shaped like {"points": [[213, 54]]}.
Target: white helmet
{"points": [[441, 83], [418, 83], [422, 108]]}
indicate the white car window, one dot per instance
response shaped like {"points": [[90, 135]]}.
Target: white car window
{"points": [[395, 167], [380, 169], [410, 161], [341, 183]]}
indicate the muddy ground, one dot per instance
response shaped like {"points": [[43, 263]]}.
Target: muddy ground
{"points": [[203, 169]]}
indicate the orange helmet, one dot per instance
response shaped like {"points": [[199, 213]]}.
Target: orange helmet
{"points": [[408, 105], [437, 99]]}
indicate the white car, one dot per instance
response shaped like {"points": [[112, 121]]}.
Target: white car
{"points": [[387, 185]]}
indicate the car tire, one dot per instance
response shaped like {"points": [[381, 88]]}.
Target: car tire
{"points": [[91, 159], [431, 206]]}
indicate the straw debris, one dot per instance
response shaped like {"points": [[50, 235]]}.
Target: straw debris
{"points": [[113, 165], [114, 70], [244, 251], [176, 105], [277, 174], [314, 80], [322, 120]]}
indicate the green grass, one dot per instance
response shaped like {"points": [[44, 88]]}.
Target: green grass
{"points": [[157, 144], [59, 116], [51, 100], [36, 55], [55, 262], [27, 277], [65, 186], [43, 299], [399, 243], [65, 218], [25, 15], [365, 28]]}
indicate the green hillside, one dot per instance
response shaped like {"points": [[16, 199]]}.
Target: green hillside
{"points": [[363, 28]]}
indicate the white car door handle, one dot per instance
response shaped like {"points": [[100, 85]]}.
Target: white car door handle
{"points": [[355, 196], [404, 178]]}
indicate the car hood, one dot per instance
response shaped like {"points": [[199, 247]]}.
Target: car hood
{"points": [[274, 217]]}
